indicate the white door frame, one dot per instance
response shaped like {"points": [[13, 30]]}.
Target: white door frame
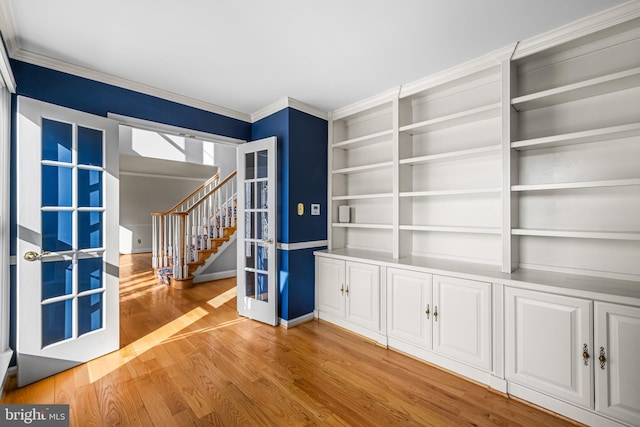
{"points": [[264, 311]]}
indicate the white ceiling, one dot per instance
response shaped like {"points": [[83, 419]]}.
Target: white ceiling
{"points": [[246, 54]]}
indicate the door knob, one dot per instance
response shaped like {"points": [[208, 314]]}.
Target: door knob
{"points": [[34, 256]]}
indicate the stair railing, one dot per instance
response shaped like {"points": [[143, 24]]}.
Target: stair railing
{"points": [[191, 227], [161, 247]]}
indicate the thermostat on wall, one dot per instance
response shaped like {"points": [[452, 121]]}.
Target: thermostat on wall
{"points": [[315, 208]]}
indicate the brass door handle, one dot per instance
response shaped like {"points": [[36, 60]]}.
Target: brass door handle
{"points": [[427, 311], [34, 256], [341, 289], [435, 313]]}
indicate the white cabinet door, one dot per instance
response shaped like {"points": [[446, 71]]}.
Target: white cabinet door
{"points": [[462, 320], [409, 305], [545, 338], [617, 339], [363, 295], [331, 286]]}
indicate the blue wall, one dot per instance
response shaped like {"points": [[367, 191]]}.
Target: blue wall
{"points": [[302, 178]]}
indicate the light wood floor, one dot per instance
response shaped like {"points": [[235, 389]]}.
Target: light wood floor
{"points": [[186, 358]]}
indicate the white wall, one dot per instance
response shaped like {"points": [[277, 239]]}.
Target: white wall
{"points": [[224, 158], [141, 195]]}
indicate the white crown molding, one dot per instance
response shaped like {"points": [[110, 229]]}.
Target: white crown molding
{"points": [[7, 26], [76, 70], [291, 103], [368, 103], [475, 65], [599, 21]]}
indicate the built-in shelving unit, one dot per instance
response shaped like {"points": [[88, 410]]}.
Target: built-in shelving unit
{"points": [[362, 165], [512, 183], [575, 142], [449, 167]]}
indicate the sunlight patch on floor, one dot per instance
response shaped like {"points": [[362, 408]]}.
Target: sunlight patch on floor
{"points": [[223, 298], [103, 366]]}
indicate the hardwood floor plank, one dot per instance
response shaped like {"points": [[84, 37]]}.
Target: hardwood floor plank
{"points": [[187, 358]]}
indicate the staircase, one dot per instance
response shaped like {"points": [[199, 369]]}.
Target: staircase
{"points": [[191, 235]]}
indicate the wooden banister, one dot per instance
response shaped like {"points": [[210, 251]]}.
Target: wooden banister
{"points": [[213, 190], [207, 182]]}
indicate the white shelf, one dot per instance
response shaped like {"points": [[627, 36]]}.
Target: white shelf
{"points": [[609, 235], [452, 229], [572, 185], [575, 91], [583, 137], [451, 192], [451, 155], [363, 141], [364, 168], [363, 196], [473, 115], [370, 226]]}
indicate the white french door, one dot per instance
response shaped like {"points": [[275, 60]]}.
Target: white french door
{"points": [[67, 272], [257, 275]]}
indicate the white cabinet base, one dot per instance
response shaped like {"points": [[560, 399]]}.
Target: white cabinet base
{"points": [[558, 406]]}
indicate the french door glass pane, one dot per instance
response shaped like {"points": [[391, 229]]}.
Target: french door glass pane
{"points": [[89, 313], [262, 164], [57, 231], [57, 183], [263, 255], [249, 200], [250, 284], [89, 146], [250, 255], [263, 222], [89, 230], [263, 195], [57, 141], [56, 322], [263, 287], [89, 274], [249, 229], [249, 166], [57, 279], [89, 188]]}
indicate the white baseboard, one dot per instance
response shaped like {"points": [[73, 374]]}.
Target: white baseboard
{"points": [[136, 251], [214, 276], [297, 321]]}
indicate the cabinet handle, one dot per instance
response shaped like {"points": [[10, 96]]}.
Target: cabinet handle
{"points": [[347, 290], [341, 289], [602, 358], [427, 311], [585, 354], [435, 313]]}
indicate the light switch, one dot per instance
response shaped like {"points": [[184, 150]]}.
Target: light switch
{"points": [[315, 208], [300, 209]]}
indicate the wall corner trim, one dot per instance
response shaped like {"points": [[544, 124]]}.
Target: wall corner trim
{"points": [[285, 103]]}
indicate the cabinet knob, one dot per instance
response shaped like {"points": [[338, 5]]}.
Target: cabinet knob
{"points": [[585, 354], [427, 311], [346, 290], [435, 313], [602, 358], [341, 289]]}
